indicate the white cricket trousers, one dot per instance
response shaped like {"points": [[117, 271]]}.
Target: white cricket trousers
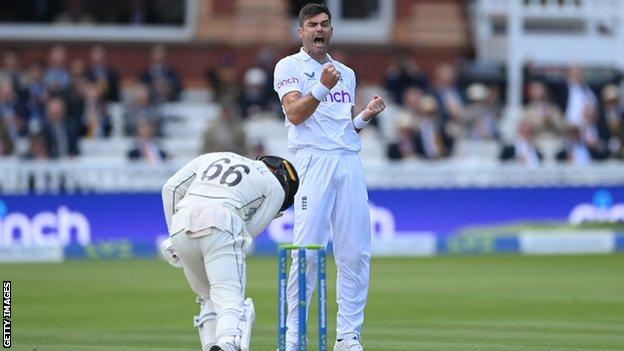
{"points": [[214, 266], [332, 200]]}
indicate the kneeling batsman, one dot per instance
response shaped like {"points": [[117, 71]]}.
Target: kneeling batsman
{"points": [[214, 206]]}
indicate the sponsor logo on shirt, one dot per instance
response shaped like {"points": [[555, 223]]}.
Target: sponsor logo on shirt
{"points": [[287, 81], [341, 96]]}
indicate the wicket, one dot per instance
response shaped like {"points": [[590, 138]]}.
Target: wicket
{"points": [[301, 288]]}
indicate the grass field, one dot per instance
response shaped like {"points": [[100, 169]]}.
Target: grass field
{"points": [[440, 303]]}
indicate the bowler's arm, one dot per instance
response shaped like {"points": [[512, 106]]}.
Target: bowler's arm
{"points": [[298, 107]]}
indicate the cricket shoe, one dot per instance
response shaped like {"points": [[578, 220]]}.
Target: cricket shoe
{"points": [[348, 344], [225, 346]]}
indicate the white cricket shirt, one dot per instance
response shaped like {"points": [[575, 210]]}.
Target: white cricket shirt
{"points": [[221, 190], [330, 127]]}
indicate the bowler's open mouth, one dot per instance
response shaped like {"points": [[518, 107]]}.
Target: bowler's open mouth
{"points": [[319, 40]]}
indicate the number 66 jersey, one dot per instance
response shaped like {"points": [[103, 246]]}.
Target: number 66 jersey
{"points": [[224, 191]]}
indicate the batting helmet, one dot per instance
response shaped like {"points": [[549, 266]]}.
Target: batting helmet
{"points": [[285, 172]]}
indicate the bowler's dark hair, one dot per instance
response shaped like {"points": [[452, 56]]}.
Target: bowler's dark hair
{"points": [[312, 9]]}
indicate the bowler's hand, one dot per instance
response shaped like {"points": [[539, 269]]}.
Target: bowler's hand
{"points": [[330, 76], [375, 106]]}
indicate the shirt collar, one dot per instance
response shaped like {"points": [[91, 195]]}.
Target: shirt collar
{"points": [[304, 56]]}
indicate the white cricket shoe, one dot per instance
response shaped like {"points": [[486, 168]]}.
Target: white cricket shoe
{"points": [[348, 344], [225, 346]]}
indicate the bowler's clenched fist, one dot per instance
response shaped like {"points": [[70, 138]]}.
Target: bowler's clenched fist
{"points": [[375, 106], [330, 76]]}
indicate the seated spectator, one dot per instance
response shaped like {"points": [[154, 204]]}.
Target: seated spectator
{"points": [[162, 80], [577, 97], [74, 95], [544, 116], [105, 78], [222, 79], [523, 151], [612, 118], [12, 110], [225, 133], [141, 109], [451, 101], [254, 97], [407, 144], [74, 13], [60, 134], [403, 73], [146, 147], [11, 70], [435, 142], [36, 93], [95, 118], [37, 148], [56, 77], [479, 119], [575, 151], [6, 142]]}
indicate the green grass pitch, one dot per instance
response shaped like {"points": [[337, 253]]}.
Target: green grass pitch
{"points": [[439, 303]]}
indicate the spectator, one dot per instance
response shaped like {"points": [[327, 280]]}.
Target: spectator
{"points": [[402, 74], [450, 100], [435, 142], [575, 151], [223, 80], [6, 142], [612, 118], [578, 99], [74, 13], [254, 97], [74, 96], [407, 145], [10, 69], [105, 78], [523, 151], [37, 147], [225, 134], [95, 118], [163, 81], [479, 119], [141, 109], [60, 134], [36, 94], [12, 110], [56, 76], [146, 147], [544, 116]]}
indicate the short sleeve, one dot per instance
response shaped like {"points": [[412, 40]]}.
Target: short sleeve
{"points": [[287, 77], [353, 82]]}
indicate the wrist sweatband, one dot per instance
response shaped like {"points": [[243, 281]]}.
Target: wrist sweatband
{"points": [[359, 122], [319, 91]]}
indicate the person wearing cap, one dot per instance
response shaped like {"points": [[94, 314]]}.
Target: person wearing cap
{"points": [[479, 119]]}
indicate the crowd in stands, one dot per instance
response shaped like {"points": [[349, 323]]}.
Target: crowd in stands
{"points": [[585, 122], [56, 103]]}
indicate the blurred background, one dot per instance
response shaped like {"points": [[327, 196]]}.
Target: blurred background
{"points": [[504, 128]]}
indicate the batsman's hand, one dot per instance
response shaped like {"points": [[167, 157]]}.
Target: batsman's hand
{"points": [[169, 254], [373, 108], [330, 76]]}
